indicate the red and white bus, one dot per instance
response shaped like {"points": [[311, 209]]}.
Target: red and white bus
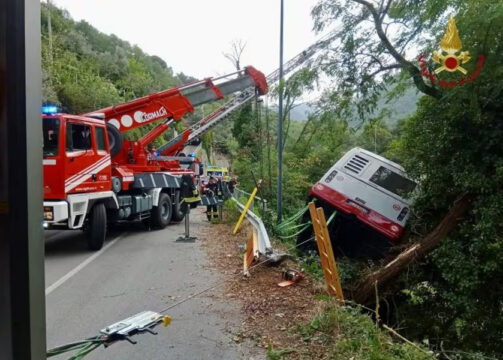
{"points": [[371, 195]]}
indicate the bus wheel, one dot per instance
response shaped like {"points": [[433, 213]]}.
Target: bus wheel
{"points": [[161, 214], [97, 227]]}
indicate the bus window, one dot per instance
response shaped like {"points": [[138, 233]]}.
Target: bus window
{"points": [[393, 182]]}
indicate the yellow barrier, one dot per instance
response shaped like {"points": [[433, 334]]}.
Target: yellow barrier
{"points": [[245, 210], [251, 252], [326, 253]]}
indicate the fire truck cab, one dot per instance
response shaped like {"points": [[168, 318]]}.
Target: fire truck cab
{"points": [[77, 174]]}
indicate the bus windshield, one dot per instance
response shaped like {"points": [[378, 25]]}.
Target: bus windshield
{"points": [[393, 182], [50, 128]]}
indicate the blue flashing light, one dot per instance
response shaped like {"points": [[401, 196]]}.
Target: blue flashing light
{"points": [[192, 155], [50, 109]]}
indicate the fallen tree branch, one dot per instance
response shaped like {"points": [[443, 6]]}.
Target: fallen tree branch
{"points": [[384, 274]]}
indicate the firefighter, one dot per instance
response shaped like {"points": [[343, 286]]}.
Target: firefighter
{"points": [[211, 193], [189, 193], [233, 183], [152, 153]]}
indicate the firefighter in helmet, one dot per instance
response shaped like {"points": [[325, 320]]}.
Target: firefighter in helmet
{"points": [[211, 194]]}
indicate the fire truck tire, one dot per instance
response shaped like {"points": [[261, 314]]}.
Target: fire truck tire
{"points": [[178, 209], [115, 139], [97, 227], [161, 214]]}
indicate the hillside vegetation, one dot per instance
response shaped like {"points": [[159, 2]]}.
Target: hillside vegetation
{"points": [[88, 70]]}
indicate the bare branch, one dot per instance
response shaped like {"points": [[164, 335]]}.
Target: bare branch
{"points": [[385, 68], [237, 48], [375, 58]]}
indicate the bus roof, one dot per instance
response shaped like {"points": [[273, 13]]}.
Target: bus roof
{"points": [[378, 157]]}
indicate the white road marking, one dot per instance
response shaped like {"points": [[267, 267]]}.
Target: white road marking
{"points": [[79, 267]]}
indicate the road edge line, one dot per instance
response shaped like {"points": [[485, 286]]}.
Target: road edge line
{"points": [[79, 267]]}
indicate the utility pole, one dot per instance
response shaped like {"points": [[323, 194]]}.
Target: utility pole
{"points": [[49, 29], [280, 118]]}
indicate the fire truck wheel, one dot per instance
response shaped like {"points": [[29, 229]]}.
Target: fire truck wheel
{"points": [[97, 227], [115, 139], [178, 209], [161, 214]]}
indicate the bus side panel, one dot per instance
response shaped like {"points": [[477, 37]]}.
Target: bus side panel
{"points": [[364, 213]]}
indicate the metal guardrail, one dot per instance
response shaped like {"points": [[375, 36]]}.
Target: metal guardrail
{"points": [[238, 193], [264, 244]]}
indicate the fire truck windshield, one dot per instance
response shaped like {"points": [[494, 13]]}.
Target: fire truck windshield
{"points": [[50, 127]]}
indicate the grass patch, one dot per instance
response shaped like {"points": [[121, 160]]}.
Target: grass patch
{"points": [[231, 212], [277, 354], [347, 333]]}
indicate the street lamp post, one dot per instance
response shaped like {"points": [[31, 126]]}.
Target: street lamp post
{"points": [[280, 119]]}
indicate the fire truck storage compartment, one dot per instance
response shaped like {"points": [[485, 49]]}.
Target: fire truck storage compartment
{"points": [[142, 203], [124, 200]]}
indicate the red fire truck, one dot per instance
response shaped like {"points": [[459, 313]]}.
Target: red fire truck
{"points": [[92, 176]]}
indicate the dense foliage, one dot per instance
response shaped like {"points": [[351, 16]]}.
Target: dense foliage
{"points": [[85, 70]]}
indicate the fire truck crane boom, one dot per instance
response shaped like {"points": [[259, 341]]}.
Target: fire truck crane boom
{"points": [[175, 103], [177, 144]]}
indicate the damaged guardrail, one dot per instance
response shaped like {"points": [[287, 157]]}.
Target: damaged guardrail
{"points": [[264, 243], [259, 243]]}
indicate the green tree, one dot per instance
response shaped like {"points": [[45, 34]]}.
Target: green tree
{"points": [[452, 145], [376, 135], [302, 81]]}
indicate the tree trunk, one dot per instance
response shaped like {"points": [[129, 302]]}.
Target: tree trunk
{"points": [[416, 251]]}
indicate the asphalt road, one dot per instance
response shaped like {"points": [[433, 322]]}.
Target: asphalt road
{"points": [[140, 270]]}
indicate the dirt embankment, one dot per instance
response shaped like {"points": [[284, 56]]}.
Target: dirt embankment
{"points": [[272, 314]]}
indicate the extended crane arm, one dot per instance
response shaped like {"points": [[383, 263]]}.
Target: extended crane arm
{"points": [[177, 144], [175, 103]]}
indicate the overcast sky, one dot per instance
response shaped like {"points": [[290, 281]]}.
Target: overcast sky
{"points": [[191, 35]]}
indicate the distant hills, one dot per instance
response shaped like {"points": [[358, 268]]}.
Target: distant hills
{"points": [[400, 108], [301, 112]]}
